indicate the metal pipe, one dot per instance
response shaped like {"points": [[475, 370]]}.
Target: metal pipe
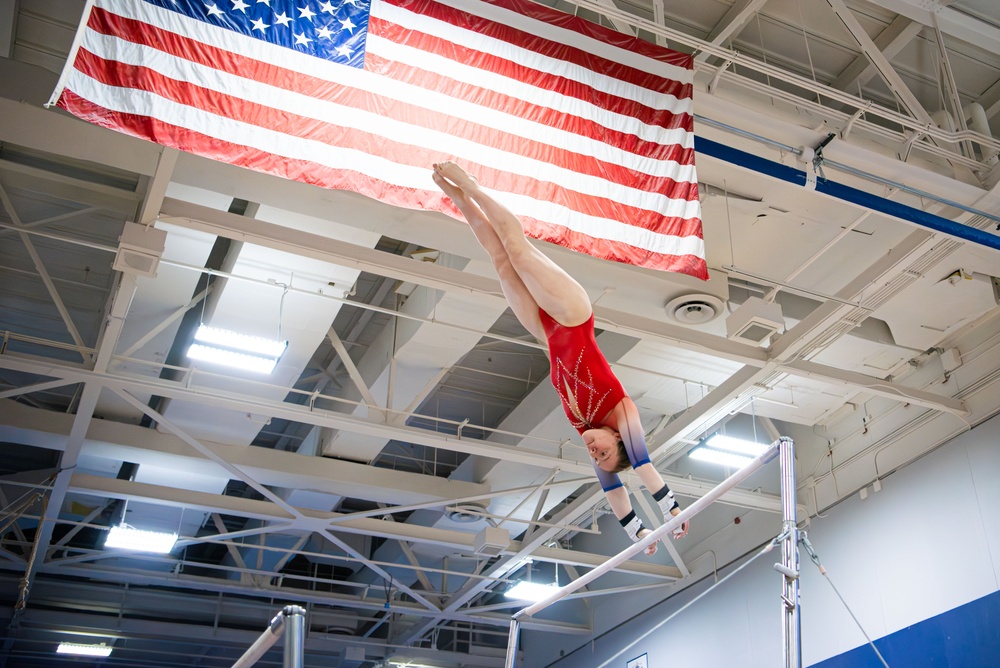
{"points": [[660, 532], [791, 630], [295, 631], [515, 630]]}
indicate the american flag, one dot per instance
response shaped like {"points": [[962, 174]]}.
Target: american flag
{"points": [[585, 133]]}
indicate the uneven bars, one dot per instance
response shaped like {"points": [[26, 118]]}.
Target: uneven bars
{"points": [[661, 531], [270, 636]]}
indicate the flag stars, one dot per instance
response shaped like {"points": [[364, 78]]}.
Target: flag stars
{"points": [[302, 39], [240, 6], [348, 25], [327, 8], [265, 2], [344, 51], [324, 32], [306, 13], [214, 11], [258, 24], [282, 18]]}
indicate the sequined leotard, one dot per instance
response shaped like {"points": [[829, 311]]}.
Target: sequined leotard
{"points": [[588, 388], [580, 373]]}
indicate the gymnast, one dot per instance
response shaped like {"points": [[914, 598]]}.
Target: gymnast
{"points": [[555, 308]]}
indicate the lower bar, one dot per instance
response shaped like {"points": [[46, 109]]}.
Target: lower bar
{"points": [[660, 532]]}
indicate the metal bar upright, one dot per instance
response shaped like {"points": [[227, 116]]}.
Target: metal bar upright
{"points": [[515, 630], [791, 629], [294, 636]]}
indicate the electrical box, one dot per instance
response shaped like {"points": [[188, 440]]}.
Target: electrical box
{"points": [[139, 249], [491, 541]]}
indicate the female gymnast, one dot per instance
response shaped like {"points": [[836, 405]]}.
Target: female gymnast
{"points": [[554, 308]]}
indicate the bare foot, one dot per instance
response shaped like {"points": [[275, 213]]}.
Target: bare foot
{"points": [[454, 173], [456, 194]]}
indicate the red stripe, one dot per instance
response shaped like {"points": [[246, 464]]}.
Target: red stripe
{"points": [[616, 251], [545, 14], [365, 184], [550, 49], [141, 33]]}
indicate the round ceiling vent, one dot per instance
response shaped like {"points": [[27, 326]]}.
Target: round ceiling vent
{"points": [[466, 513], [694, 309]]}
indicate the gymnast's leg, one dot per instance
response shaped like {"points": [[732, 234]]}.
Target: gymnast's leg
{"points": [[521, 302], [550, 286]]}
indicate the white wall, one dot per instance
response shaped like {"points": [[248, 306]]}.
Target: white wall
{"points": [[928, 542]]}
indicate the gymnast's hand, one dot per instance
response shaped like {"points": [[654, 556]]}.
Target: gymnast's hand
{"points": [[651, 550], [682, 530]]}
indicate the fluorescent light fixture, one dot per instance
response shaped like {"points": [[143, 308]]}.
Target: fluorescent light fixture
{"points": [[78, 649], [129, 538], [728, 451], [531, 591], [250, 353]]}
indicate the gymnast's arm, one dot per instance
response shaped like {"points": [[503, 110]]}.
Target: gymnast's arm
{"points": [[621, 506], [629, 425]]}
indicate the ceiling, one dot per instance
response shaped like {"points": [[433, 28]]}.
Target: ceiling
{"points": [[411, 411]]}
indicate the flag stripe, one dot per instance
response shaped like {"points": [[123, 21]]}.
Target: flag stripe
{"points": [[584, 133]]}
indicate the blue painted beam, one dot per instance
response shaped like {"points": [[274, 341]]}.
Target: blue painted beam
{"points": [[846, 193]]}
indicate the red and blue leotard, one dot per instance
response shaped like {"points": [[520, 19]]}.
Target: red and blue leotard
{"points": [[588, 388]]}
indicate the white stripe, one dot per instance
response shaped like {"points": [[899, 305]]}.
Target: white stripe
{"points": [[396, 131], [528, 58], [564, 36], [143, 103]]}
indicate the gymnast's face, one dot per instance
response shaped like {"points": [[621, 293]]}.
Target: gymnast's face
{"points": [[602, 444]]}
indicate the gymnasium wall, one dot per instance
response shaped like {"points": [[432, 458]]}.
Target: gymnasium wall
{"points": [[918, 563]]}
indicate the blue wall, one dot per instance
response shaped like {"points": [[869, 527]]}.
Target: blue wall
{"points": [[965, 637]]}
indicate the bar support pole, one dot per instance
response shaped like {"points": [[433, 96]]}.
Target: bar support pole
{"points": [[791, 629], [294, 636], [515, 630], [263, 643]]}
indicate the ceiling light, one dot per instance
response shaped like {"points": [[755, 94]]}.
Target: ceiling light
{"points": [[130, 538], [78, 649], [531, 591], [250, 353], [728, 451]]}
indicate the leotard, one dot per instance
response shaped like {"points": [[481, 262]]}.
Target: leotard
{"points": [[588, 388]]}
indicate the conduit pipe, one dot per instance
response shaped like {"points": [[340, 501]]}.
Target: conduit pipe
{"points": [[975, 115], [847, 193]]}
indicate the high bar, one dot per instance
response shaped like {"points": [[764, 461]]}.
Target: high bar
{"points": [[711, 497]]}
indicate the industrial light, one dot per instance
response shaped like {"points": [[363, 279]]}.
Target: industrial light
{"points": [[78, 649], [129, 538], [250, 353], [531, 591], [728, 451]]}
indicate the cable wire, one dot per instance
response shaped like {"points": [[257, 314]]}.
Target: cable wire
{"points": [[815, 559]]}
